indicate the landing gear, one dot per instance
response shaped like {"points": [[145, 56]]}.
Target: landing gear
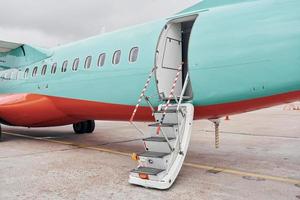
{"points": [[84, 127], [217, 131], [0, 133], [91, 126]]}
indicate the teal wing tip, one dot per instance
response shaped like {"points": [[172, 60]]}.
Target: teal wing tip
{"points": [[206, 4], [194, 7], [22, 55]]}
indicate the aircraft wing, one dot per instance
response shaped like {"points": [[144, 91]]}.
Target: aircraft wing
{"points": [[16, 55], [8, 46]]}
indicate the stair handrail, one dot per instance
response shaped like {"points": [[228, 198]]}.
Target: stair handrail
{"points": [[183, 91], [178, 105], [141, 98], [171, 94]]}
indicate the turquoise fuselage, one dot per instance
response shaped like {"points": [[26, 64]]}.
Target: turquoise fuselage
{"points": [[237, 52]]}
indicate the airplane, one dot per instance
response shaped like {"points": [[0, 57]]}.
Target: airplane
{"points": [[213, 59]]}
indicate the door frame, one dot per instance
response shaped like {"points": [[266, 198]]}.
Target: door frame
{"points": [[159, 57]]}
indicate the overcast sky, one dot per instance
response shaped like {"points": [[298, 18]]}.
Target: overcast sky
{"points": [[48, 23]]}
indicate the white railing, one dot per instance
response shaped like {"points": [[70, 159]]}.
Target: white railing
{"points": [[183, 90], [166, 107]]}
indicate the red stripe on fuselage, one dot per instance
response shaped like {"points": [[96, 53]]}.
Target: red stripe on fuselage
{"points": [[34, 110], [221, 110]]}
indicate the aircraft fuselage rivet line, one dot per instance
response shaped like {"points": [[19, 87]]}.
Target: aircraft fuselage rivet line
{"points": [[193, 165]]}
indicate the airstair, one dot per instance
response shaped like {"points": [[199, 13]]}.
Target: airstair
{"points": [[167, 142]]}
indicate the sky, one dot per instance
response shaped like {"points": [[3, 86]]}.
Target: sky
{"points": [[48, 23]]}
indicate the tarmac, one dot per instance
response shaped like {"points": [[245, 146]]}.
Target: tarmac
{"points": [[258, 158]]}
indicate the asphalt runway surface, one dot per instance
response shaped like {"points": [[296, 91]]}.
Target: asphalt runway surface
{"points": [[258, 158]]}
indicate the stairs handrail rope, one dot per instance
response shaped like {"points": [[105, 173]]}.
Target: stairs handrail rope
{"points": [[169, 98], [140, 100], [142, 93]]}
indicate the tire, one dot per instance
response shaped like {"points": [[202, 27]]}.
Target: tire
{"points": [[0, 133], [80, 127], [91, 126]]}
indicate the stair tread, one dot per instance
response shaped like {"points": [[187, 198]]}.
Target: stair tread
{"points": [[158, 139], [163, 125], [153, 154], [167, 111], [147, 170], [178, 97]]}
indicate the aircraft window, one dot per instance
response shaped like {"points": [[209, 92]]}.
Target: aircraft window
{"points": [[101, 59], [75, 64], [26, 73], [8, 75], [19, 74], [64, 66], [34, 72], [14, 75], [53, 69], [133, 55], [44, 70], [88, 62], [116, 57], [3, 77]]}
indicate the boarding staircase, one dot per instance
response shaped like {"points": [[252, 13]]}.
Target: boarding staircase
{"points": [[166, 145]]}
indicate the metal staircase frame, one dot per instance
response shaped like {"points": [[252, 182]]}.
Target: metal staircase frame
{"points": [[171, 95], [164, 178]]}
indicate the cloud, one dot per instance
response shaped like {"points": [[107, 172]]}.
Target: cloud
{"points": [[52, 22], [30, 36]]}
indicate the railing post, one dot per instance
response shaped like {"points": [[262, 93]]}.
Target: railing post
{"points": [[183, 90]]}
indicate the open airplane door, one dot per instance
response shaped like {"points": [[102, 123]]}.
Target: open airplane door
{"points": [[169, 59], [172, 56]]}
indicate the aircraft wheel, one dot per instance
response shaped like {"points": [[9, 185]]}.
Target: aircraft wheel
{"points": [[80, 127], [91, 126], [0, 133]]}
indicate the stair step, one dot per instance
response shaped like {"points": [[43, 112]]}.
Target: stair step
{"points": [[157, 139], [170, 117], [147, 170], [173, 98], [159, 166], [153, 154], [167, 111], [169, 132], [163, 125]]}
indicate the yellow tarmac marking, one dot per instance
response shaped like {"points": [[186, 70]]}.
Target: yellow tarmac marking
{"points": [[194, 165], [83, 146], [242, 173]]}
